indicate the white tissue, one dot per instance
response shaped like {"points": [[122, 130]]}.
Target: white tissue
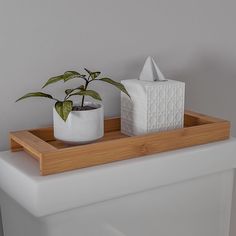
{"points": [[155, 105], [151, 72]]}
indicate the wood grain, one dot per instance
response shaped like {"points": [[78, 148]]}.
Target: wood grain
{"points": [[30, 143], [194, 118], [126, 148], [55, 157], [112, 135]]}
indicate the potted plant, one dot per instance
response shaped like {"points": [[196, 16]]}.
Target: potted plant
{"points": [[77, 123]]}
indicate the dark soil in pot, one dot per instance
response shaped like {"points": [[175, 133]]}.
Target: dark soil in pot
{"points": [[84, 108]]}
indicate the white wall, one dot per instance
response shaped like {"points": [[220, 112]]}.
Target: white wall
{"points": [[191, 40]]}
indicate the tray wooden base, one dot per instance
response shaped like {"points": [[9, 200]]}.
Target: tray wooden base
{"points": [[55, 157]]}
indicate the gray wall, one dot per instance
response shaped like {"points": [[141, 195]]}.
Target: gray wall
{"points": [[191, 40]]}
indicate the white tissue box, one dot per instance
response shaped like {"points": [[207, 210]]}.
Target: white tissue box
{"points": [[154, 106]]}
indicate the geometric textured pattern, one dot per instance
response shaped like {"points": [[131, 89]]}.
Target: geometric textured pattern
{"points": [[154, 106], [165, 109], [127, 116]]}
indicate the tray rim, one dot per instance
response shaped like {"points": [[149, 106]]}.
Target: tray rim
{"points": [[47, 153]]}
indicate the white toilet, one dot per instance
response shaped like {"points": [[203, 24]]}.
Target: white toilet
{"points": [[181, 193]]}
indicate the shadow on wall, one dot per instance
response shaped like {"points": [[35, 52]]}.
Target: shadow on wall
{"points": [[211, 85]]}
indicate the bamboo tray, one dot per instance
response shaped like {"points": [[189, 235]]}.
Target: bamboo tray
{"points": [[55, 157]]}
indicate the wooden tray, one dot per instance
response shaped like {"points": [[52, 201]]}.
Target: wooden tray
{"points": [[55, 157]]}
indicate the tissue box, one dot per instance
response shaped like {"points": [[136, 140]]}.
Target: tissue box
{"points": [[154, 106]]}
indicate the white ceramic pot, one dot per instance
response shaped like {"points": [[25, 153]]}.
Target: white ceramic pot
{"points": [[81, 126]]}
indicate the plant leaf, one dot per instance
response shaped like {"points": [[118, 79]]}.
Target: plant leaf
{"points": [[81, 87], [90, 93], [35, 94], [118, 85], [68, 91], [94, 74], [53, 80], [68, 75], [64, 108], [74, 94]]}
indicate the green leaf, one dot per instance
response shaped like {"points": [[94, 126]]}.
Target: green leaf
{"points": [[68, 75], [90, 93], [36, 94], [64, 108], [81, 87], [94, 74], [54, 80], [68, 91], [74, 94], [118, 85]]}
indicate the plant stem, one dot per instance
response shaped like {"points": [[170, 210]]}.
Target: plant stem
{"points": [[82, 103], [85, 88]]}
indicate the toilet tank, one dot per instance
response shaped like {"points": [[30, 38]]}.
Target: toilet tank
{"points": [[181, 193]]}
